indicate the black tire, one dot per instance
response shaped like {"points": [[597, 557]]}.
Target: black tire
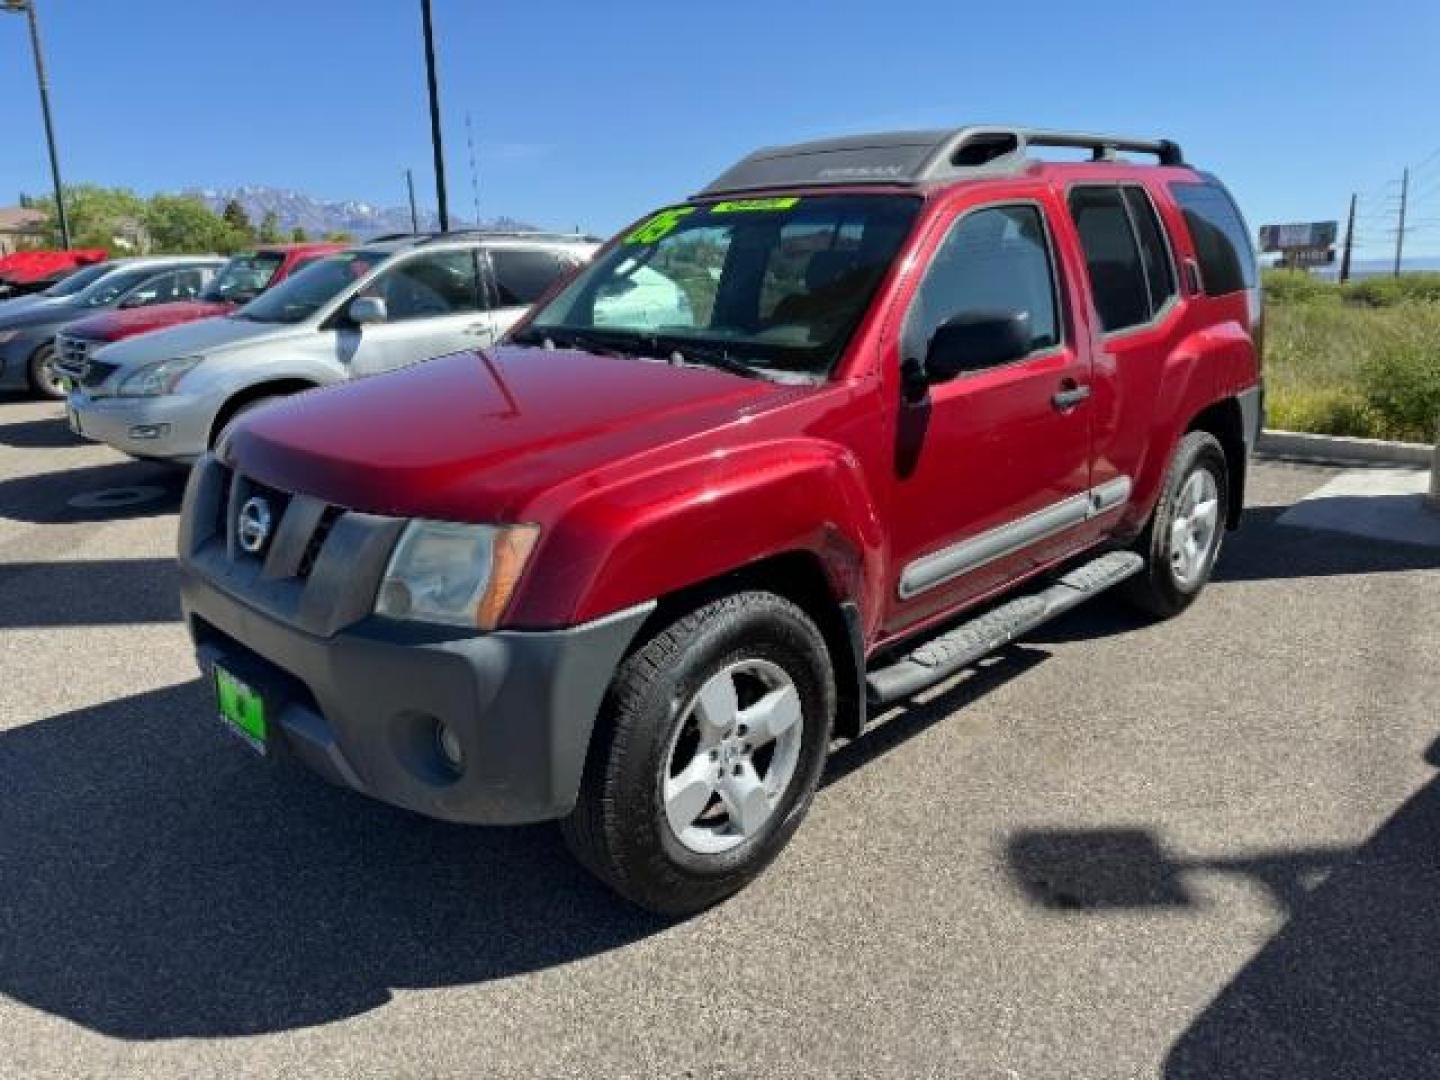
{"points": [[40, 385], [1158, 589], [619, 829]]}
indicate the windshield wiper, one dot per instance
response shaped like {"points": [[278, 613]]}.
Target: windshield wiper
{"points": [[568, 339]]}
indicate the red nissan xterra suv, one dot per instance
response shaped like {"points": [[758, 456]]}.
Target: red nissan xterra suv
{"points": [[781, 455]]}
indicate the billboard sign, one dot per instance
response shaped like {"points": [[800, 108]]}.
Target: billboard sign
{"points": [[1310, 234]]}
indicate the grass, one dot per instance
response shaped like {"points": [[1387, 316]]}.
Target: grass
{"points": [[1362, 359]]}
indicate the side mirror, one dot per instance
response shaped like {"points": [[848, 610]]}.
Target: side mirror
{"points": [[365, 310], [976, 340]]}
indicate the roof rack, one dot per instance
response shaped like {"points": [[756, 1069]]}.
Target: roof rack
{"points": [[920, 157]]}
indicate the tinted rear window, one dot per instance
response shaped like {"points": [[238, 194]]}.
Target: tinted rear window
{"points": [[522, 277], [1222, 245]]}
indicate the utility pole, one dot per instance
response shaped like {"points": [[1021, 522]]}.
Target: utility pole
{"points": [[410, 186], [1400, 232], [15, 7], [435, 117], [1349, 243]]}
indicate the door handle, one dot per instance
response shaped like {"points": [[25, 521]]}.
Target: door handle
{"points": [[477, 329], [1069, 397]]}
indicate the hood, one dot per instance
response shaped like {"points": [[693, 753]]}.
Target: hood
{"points": [[29, 302], [17, 314], [123, 323], [202, 336], [479, 436]]}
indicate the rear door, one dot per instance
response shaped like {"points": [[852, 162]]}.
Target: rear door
{"points": [[518, 277], [993, 467], [1138, 321], [434, 306]]}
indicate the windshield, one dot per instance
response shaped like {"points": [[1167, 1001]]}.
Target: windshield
{"points": [[775, 284], [69, 286], [243, 278], [307, 291], [116, 284]]}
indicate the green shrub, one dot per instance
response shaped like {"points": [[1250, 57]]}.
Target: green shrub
{"points": [[1328, 410], [1392, 291], [1339, 369], [1297, 287], [1400, 377]]}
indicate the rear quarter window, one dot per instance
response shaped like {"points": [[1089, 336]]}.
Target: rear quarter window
{"points": [[1222, 244]]}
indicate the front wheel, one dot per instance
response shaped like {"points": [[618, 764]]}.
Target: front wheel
{"points": [[45, 378], [1182, 540], [706, 754]]}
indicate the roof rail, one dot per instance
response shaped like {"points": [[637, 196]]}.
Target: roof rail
{"points": [[918, 157], [524, 234], [385, 237]]}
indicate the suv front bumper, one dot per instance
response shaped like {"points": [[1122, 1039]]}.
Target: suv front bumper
{"points": [[361, 703], [173, 426]]}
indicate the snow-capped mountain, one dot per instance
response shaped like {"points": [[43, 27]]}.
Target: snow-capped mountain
{"points": [[318, 217]]}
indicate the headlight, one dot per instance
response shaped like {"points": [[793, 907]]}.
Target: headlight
{"points": [[152, 380], [462, 575], [8, 335]]}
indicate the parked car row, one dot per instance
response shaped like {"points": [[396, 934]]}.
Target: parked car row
{"points": [[170, 393]]}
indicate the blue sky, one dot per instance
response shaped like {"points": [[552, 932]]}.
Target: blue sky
{"points": [[590, 112]]}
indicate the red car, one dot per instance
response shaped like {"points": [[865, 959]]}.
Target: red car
{"points": [[241, 279], [803, 446], [24, 272]]}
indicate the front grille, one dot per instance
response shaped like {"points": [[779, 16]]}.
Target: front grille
{"points": [[75, 359], [319, 565], [73, 355]]}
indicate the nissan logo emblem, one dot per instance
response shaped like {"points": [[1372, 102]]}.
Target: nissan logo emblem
{"points": [[253, 528]]}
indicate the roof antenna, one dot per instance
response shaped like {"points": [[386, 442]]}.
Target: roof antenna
{"points": [[474, 175]]}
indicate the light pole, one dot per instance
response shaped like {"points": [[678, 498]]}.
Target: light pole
{"points": [[435, 117], [16, 7]]}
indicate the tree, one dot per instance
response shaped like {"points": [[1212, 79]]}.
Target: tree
{"points": [[339, 236], [98, 215], [235, 216], [183, 223], [270, 228], [297, 235]]}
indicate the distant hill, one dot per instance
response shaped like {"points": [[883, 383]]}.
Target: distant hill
{"points": [[318, 217]]}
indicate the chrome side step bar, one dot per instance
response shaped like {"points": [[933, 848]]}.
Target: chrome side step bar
{"points": [[938, 658]]}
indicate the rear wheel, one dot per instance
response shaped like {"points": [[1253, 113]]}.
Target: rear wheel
{"points": [[1182, 540], [707, 753], [45, 378]]}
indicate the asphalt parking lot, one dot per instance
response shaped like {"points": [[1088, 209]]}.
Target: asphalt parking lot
{"points": [[1208, 848]]}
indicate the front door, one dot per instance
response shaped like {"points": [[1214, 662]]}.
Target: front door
{"points": [[433, 306], [993, 467]]}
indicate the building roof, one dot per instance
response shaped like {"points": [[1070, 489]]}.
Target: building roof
{"points": [[15, 219]]}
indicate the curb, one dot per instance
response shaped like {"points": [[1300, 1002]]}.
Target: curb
{"points": [[1339, 449]]}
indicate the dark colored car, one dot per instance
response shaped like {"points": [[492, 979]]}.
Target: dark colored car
{"points": [[634, 572], [28, 325]]}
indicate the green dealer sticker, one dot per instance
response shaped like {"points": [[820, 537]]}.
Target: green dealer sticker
{"points": [[659, 226], [751, 206]]}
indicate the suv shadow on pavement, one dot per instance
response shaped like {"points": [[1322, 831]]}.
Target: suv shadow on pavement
{"points": [[156, 882], [125, 489], [88, 592], [1347, 989]]}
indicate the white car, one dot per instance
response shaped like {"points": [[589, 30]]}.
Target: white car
{"points": [[372, 308]]}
